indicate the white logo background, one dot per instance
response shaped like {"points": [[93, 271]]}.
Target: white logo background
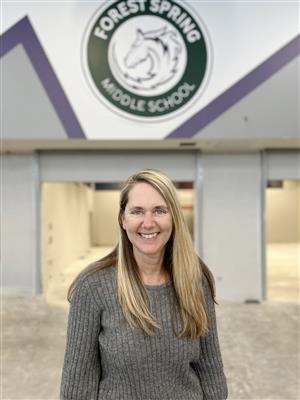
{"points": [[150, 61]]}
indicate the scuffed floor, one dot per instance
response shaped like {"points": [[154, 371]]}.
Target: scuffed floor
{"points": [[259, 342], [260, 346]]}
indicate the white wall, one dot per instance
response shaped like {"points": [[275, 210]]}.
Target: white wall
{"points": [[19, 215], [231, 228], [237, 49]]}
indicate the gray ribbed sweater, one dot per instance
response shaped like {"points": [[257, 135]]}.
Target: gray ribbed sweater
{"points": [[106, 360]]}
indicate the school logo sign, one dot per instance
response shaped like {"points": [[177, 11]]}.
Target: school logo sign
{"points": [[146, 59]]}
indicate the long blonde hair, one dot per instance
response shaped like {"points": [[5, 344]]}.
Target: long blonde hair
{"points": [[184, 266]]}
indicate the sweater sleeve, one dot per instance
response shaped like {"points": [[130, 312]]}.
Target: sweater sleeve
{"points": [[210, 365], [82, 369]]}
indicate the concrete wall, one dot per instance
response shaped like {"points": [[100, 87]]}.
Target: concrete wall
{"points": [[283, 213], [231, 227], [66, 230], [19, 215], [230, 219]]}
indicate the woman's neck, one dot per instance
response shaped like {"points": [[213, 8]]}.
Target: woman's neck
{"points": [[152, 270]]}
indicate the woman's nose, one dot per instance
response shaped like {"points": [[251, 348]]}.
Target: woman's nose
{"points": [[148, 219]]}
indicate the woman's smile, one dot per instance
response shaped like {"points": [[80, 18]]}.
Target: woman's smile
{"points": [[148, 236]]}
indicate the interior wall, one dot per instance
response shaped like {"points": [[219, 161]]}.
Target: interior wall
{"points": [[105, 218], [66, 231], [231, 208], [283, 213], [19, 223]]}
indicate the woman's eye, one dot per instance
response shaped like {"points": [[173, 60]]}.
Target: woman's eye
{"points": [[136, 212], [160, 211]]}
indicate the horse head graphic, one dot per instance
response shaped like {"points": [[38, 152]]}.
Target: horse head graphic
{"points": [[152, 58]]}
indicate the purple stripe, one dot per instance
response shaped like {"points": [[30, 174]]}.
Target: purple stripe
{"points": [[23, 33], [239, 90]]}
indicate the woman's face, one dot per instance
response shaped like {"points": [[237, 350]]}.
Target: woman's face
{"points": [[147, 221]]}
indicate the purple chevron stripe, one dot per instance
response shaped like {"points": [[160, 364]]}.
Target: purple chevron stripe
{"points": [[238, 91], [22, 33]]}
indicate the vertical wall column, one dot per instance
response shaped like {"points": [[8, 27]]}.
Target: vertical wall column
{"points": [[20, 210], [231, 223]]}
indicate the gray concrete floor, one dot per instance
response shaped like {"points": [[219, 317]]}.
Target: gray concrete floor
{"points": [[260, 347], [259, 342]]}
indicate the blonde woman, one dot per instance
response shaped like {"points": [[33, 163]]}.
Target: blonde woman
{"points": [[142, 322]]}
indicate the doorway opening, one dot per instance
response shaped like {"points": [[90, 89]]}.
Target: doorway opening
{"points": [[80, 225], [283, 240]]}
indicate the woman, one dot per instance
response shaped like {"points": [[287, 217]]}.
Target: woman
{"points": [[142, 322]]}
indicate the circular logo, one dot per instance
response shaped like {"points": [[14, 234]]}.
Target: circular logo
{"points": [[147, 59]]}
